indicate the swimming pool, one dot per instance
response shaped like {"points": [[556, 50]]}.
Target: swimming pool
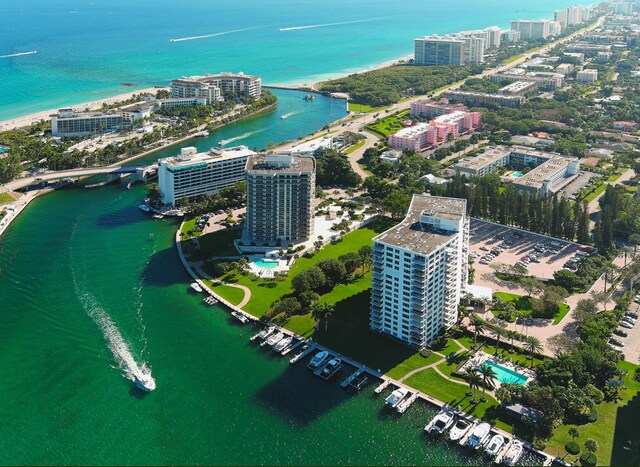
{"points": [[505, 375], [266, 264], [517, 174], [3, 149]]}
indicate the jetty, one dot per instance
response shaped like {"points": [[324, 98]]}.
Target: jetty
{"points": [[292, 347], [349, 379], [382, 386], [405, 404], [303, 354]]}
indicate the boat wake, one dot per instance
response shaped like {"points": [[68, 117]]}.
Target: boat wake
{"points": [[326, 25], [291, 114], [225, 142], [206, 36], [20, 54]]}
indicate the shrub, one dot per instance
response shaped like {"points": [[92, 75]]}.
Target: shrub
{"points": [[588, 458], [426, 353], [593, 415], [539, 444], [572, 447], [636, 375], [594, 393]]}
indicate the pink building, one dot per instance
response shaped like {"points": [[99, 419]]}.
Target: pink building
{"points": [[424, 135], [434, 109], [458, 122], [413, 137]]}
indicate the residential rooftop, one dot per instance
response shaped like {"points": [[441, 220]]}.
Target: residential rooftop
{"points": [[188, 156], [272, 164]]}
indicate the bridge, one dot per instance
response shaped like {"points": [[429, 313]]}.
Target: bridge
{"points": [[114, 171]]}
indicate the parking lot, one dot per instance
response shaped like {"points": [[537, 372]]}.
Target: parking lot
{"points": [[541, 255], [631, 341]]}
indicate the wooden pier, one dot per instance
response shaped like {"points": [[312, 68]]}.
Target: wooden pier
{"points": [[304, 353], [383, 386], [347, 381], [292, 347]]}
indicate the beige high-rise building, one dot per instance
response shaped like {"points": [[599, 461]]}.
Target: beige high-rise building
{"points": [[280, 194]]}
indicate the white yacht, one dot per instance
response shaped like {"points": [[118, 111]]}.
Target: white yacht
{"points": [[196, 287], [145, 381], [144, 207], [331, 368], [513, 453], [494, 446], [479, 436], [318, 359], [459, 429], [442, 422], [266, 332], [274, 339], [396, 397], [240, 317], [283, 344]]}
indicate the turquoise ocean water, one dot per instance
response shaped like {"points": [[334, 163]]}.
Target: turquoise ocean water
{"points": [[86, 49]]}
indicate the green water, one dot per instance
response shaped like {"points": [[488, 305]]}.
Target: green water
{"points": [[90, 285]]}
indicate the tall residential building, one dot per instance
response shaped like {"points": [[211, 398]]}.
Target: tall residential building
{"points": [[623, 8], [536, 28], [570, 15], [67, 123], [494, 34], [437, 131], [420, 271], [480, 98], [215, 87], [510, 35], [280, 193], [194, 174], [438, 50], [475, 44], [432, 109]]}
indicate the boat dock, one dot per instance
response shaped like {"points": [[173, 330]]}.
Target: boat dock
{"points": [[405, 404], [304, 353], [382, 386], [503, 451], [292, 347], [347, 381], [473, 422]]}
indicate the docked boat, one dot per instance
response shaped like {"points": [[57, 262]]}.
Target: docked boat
{"points": [[283, 344], [331, 368], [196, 287], [479, 436], [274, 339], [240, 317], [209, 300], [144, 207], [442, 422], [513, 454], [318, 359], [309, 97], [397, 396], [202, 134], [145, 381], [266, 332], [459, 429], [494, 446], [158, 216]]}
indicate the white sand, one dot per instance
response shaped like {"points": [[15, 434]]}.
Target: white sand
{"points": [[93, 105]]}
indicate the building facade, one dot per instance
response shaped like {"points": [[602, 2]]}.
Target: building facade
{"points": [[67, 123], [280, 193], [536, 28], [420, 271], [587, 76], [215, 87], [437, 50], [479, 98], [194, 174]]}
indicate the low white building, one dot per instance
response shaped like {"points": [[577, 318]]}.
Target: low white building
{"points": [[311, 148], [587, 76], [392, 156]]}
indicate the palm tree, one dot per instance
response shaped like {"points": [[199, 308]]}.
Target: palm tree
{"points": [[478, 326], [533, 345], [488, 374], [474, 380], [317, 311], [499, 333], [615, 385], [591, 445], [329, 308], [574, 433]]}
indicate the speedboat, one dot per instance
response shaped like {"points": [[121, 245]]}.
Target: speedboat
{"points": [[442, 421], [459, 429], [494, 446], [282, 117], [266, 332], [274, 339], [479, 436], [396, 397], [283, 344], [318, 359], [240, 317], [196, 287], [144, 207], [331, 368], [145, 381], [309, 97], [513, 453]]}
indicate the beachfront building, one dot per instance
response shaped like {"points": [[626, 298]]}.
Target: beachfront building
{"points": [[480, 98], [571, 15], [494, 35], [439, 50], [192, 174], [280, 193], [432, 109], [475, 43], [536, 28], [509, 35], [215, 87], [587, 76], [67, 123], [549, 171], [420, 271]]}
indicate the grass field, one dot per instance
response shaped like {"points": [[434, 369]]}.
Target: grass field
{"points": [[594, 194], [523, 304], [354, 147], [352, 107], [233, 295], [388, 125], [6, 198]]}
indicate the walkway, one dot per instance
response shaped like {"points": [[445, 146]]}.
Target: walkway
{"points": [[247, 291]]}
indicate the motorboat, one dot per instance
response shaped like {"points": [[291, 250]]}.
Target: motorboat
{"points": [[209, 300], [318, 359], [144, 207], [274, 339], [494, 446], [331, 368], [397, 396], [459, 429], [283, 344], [513, 453], [145, 381], [309, 97], [479, 436], [240, 317], [158, 216], [266, 332], [442, 421], [196, 287]]}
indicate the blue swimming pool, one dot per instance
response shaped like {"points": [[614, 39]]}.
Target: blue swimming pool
{"points": [[505, 375], [3, 149], [266, 264], [517, 174]]}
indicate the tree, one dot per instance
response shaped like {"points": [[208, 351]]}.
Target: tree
{"points": [[534, 345], [499, 333], [478, 326], [503, 394], [396, 203], [561, 344], [531, 285], [333, 270], [289, 306], [366, 256], [474, 380], [585, 311], [574, 433], [488, 374], [601, 297], [322, 311], [614, 386], [591, 445], [309, 279]]}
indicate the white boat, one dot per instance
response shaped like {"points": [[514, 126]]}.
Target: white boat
{"points": [[459, 429], [145, 381], [195, 286], [266, 332], [158, 216], [223, 142], [209, 300], [283, 344], [318, 359], [144, 207], [396, 397], [331, 368], [282, 117], [202, 134], [479, 436], [494, 446], [513, 453], [240, 317], [274, 339], [442, 421]]}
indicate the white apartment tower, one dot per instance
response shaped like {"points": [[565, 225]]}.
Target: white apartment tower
{"points": [[536, 29], [438, 50], [420, 271]]}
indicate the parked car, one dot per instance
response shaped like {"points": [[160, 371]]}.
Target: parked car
{"points": [[621, 333], [626, 324], [615, 343]]}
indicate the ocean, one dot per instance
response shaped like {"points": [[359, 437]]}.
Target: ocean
{"points": [[86, 50]]}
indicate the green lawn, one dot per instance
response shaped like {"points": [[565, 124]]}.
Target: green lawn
{"points": [[189, 225], [6, 198], [412, 363], [352, 107], [356, 146], [523, 304], [612, 430], [596, 192], [617, 175], [388, 125], [233, 295], [219, 243], [562, 312]]}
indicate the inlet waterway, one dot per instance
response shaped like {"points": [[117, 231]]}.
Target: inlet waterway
{"points": [[90, 286]]}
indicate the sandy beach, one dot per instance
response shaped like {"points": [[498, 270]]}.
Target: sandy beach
{"points": [[30, 119]]}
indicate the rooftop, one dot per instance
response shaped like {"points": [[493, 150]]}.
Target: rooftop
{"points": [[272, 164], [411, 234], [412, 130], [189, 157]]}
